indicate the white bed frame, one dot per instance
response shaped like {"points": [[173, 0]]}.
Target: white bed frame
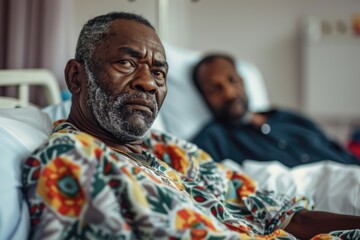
{"points": [[24, 78]]}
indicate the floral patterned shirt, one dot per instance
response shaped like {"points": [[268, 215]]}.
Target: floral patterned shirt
{"points": [[79, 188]]}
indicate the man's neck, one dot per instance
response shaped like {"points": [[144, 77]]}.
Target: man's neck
{"points": [[258, 119]]}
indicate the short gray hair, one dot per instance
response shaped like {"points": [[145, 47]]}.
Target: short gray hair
{"points": [[97, 29]]}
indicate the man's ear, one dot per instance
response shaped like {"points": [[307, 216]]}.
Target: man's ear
{"points": [[74, 75]]}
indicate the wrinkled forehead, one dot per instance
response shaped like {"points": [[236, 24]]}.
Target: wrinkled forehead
{"points": [[138, 36]]}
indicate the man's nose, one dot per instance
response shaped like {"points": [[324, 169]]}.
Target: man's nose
{"points": [[230, 92], [144, 81]]}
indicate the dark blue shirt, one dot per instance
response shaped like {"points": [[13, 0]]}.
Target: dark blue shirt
{"points": [[286, 137]]}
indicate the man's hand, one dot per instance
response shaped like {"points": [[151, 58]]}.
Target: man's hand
{"points": [[306, 224]]}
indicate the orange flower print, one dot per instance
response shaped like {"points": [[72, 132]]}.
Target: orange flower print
{"points": [[176, 157], [247, 185], [277, 233], [59, 187], [323, 237], [198, 223], [159, 150]]}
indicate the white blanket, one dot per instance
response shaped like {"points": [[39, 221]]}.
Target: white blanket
{"points": [[334, 187]]}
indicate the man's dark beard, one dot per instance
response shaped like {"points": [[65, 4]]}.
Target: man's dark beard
{"points": [[224, 115], [111, 115]]}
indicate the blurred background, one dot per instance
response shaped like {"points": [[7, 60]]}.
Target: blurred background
{"points": [[308, 51]]}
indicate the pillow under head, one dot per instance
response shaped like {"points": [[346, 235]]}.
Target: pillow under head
{"points": [[184, 112]]}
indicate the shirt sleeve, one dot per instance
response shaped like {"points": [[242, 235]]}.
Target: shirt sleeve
{"points": [[269, 210], [68, 186]]}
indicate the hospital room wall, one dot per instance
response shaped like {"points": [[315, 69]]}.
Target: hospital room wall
{"points": [[265, 33]]}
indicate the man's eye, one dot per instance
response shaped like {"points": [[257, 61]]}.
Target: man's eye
{"points": [[125, 63], [236, 80], [159, 74], [233, 80], [125, 66], [214, 90]]}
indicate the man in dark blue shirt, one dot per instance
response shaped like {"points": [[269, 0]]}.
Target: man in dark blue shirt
{"points": [[238, 134]]}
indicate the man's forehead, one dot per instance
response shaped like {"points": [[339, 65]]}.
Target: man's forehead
{"points": [[124, 32], [215, 70], [219, 63]]}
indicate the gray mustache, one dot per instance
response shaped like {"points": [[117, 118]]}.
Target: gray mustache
{"points": [[125, 97]]}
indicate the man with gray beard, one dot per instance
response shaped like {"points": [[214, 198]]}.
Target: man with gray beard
{"points": [[100, 177], [111, 116]]}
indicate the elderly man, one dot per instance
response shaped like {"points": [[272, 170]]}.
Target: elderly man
{"points": [[238, 134], [98, 177]]}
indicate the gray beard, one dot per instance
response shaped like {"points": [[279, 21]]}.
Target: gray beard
{"points": [[110, 115]]}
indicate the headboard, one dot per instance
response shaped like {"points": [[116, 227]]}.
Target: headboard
{"points": [[24, 78]]}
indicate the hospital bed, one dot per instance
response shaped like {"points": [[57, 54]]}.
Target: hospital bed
{"points": [[23, 79], [334, 187]]}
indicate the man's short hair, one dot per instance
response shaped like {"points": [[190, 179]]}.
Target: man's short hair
{"points": [[97, 29], [208, 59]]}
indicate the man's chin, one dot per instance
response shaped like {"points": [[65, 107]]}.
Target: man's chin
{"points": [[128, 134], [139, 121], [127, 126], [231, 117]]}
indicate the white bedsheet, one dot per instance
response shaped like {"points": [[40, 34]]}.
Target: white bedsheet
{"points": [[334, 187]]}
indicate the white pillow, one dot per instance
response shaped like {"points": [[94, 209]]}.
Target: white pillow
{"points": [[22, 130], [58, 111], [184, 112]]}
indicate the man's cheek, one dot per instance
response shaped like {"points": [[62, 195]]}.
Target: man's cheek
{"points": [[160, 98]]}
